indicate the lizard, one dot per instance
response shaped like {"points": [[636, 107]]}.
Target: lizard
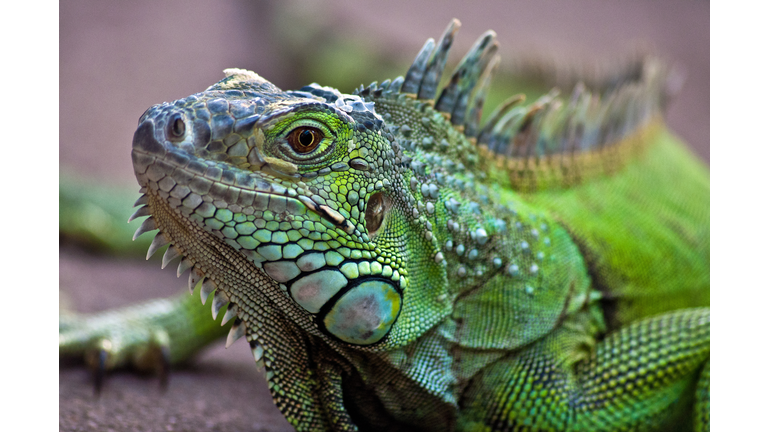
{"points": [[394, 263]]}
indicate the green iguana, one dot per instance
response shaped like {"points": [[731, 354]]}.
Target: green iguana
{"points": [[396, 265]]}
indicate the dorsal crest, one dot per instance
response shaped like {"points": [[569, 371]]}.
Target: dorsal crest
{"points": [[554, 141]]}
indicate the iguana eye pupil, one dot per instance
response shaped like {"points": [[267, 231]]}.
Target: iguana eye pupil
{"points": [[304, 139]]}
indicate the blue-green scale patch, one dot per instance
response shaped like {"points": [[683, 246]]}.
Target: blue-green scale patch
{"points": [[364, 314], [312, 291], [245, 228], [282, 271]]}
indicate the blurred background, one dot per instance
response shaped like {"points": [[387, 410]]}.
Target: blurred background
{"points": [[119, 58]]}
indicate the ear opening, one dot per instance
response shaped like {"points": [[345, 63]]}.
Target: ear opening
{"points": [[376, 209]]}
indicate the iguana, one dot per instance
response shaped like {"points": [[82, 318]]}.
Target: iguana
{"points": [[395, 264]]}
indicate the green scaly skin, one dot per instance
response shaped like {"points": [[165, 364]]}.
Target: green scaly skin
{"points": [[395, 265]]}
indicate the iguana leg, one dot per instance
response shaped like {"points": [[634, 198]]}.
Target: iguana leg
{"points": [[149, 336], [644, 376]]}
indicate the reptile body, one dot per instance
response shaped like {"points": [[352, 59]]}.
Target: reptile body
{"points": [[394, 264]]}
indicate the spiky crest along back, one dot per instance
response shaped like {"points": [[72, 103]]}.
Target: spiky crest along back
{"points": [[554, 142]]}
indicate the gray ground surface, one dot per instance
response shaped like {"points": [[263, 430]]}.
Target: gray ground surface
{"points": [[220, 390], [117, 59]]}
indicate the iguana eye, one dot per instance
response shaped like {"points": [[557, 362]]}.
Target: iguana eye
{"points": [[304, 139], [306, 142]]}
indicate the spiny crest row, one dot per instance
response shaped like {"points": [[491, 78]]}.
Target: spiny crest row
{"points": [[220, 299], [588, 120]]}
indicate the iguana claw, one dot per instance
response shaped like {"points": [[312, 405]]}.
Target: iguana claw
{"points": [[164, 367], [99, 372], [142, 349]]}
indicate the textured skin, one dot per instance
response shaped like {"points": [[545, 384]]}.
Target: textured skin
{"points": [[406, 267]]}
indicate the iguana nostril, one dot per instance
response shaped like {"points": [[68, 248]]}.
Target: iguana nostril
{"points": [[176, 127]]}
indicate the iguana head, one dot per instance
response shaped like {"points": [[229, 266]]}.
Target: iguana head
{"points": [[306, 185]]}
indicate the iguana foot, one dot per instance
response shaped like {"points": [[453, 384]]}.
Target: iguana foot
{"points": [[115, 340], [148, 337]]}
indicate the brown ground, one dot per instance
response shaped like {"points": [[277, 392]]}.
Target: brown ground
{"points": [[117, 59]]}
